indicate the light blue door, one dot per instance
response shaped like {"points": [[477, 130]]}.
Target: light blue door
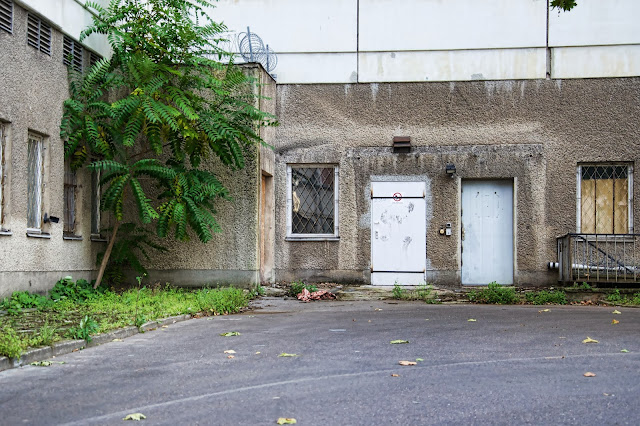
{"points": [[487, 232]]}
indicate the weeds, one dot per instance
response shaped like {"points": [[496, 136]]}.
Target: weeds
{"points": [[495, 294], [618, 299], [87, 327], [422, 292], [546, 297], [11, 345], [297, 287]]}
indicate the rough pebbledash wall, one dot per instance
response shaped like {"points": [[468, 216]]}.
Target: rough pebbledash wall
{"points": [[534, 132]]}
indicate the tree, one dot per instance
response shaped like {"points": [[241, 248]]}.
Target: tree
{"points": [[164, 106], [565, 5]]}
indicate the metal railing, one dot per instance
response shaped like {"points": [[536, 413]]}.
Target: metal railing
{"points": [[604, 258]]}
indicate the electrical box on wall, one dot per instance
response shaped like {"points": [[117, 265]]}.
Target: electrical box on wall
{"points": [[447, 229]]}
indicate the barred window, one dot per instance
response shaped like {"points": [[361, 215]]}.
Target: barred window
{"points": [[605, 198], [312, 201], [72, 54], [3, 127], [6, 15], [35, 164], [38, 34], [70, 198]]}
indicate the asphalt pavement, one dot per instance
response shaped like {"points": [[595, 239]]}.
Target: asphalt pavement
{"points": [[512, 365]]}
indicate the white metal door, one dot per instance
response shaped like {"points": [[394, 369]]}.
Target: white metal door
{"points": [[398, 233], [487, 232]]}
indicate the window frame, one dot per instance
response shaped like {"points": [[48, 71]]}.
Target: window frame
{"points": [[629, 167], [335, 236], [3, 172], [72, 54], [70, 189], [39, 180], [96, 213]]}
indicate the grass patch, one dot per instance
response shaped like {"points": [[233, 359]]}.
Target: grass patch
{"points": [[546, 297], [494, 294], [79, 312], [619, 299], [422, 292], [296, 287]]}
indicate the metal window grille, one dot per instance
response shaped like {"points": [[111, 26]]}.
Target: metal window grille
{"points": [[70, 193], [93, 58], [95, 203], [35, 163], [72, 54], [38, 34], [313, 200], [6, 15], [604, 199], [2, 170]]}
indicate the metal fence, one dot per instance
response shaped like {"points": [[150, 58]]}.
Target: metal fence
{"points": [[603, 258]]}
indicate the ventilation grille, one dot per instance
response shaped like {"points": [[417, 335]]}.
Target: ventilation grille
{"points": [[72, 54], [94, 58], [6, 15], [38, 34]]}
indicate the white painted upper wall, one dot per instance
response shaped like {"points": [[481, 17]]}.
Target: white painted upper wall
{"points": [[342, 41], [70, 17], [396, 25]]}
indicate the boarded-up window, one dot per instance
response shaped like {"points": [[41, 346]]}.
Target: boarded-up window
{"points": [[313, 200], [604, 199], [70, 195], [3, 127], [35, 164]]}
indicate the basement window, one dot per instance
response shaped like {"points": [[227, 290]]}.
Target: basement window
{"points": [[6, 15], [38, 34], [605, 199], [72, 54], [312, 202]]}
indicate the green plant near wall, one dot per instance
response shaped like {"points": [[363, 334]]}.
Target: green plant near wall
{"points": [[11, 344], [494, 294], [398, 292], [546, 297], [296, 287], [84, 330]]}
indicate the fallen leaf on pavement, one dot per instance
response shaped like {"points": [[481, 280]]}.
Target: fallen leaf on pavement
{"points": [[284, 354], [230, 356], [135, 416], [624, 351], [398, 342], [589, 374], [616, 312], [117, 340], [378, 309], [419, 359], [589, 340], [45, 363], [407, 363], [230, 333], [614, 321], [165, 326], [544, 310], [257, 353], [287, 421], [229, 351], [471, 320], [395, 375]]}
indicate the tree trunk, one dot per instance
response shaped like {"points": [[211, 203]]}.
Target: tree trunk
{"points": [[107, 254]]}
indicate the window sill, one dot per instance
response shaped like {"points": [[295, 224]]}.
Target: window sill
{"points": [[98, 238], [38, 235], [5, 233], [72, 237], [311, 238]]}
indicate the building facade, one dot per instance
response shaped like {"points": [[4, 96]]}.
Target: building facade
{"points": [[419, 141]]}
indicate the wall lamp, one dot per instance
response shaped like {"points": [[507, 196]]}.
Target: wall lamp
{"points": [[450, 168]]}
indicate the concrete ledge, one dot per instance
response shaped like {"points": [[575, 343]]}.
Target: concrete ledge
{"points": [[32, 355], [68, 346], [5, 363]]}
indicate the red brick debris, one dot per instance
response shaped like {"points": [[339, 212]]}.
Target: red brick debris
{"points": [[307, 296]]}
